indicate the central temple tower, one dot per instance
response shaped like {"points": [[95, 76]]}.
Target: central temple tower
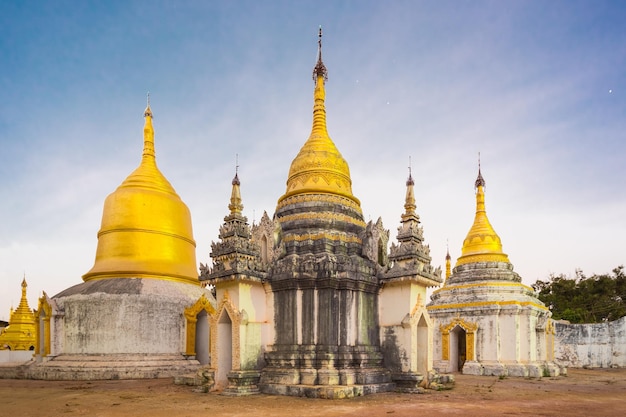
{"points": [[325, 290]]}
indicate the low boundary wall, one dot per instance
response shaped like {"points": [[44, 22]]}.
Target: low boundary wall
{"points": [[593, 345]]}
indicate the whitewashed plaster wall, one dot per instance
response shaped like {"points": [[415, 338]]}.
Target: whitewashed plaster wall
{"points": [[114, 324], [249, 300], [405, 328], [9, 356], [594, 345]]}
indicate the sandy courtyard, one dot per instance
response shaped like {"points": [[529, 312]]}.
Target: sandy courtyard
{"points": [[582, 393]]}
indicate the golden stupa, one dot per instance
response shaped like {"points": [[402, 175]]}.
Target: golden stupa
{"points": [[146, 228], [21, 332], [482, 243], [319, 166]]}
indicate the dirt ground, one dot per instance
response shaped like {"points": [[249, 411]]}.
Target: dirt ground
{"points": [[600, 392]]}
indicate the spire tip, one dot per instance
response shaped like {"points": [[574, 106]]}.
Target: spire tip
{"points": [[148, 111], [410, 181], [480, 181], [320, 68], [236, 179]]}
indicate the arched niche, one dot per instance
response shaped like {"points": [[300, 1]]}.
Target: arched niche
{"points": [[458, 342], [225, 340], [198, 318]]}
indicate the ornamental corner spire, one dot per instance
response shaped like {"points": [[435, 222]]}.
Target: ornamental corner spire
{"points": [[409, 180], [409, 200], [235, 206], [448, 260]]}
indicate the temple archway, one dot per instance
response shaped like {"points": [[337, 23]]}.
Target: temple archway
{"points": [[203, 338], [198, 318], [225, 349], [422, 345], [457, 343], [458, 348]]}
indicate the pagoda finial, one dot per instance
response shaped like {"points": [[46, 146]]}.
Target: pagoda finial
{"points": [[148, 133], [235, 205], [409, 201], [448, 259], [480, 181], [148, 111], [236, 179], [320, 68]]}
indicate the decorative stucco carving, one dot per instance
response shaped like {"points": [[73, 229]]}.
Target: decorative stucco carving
{"points": [[470, 332], [375, 242], [266, 236]]}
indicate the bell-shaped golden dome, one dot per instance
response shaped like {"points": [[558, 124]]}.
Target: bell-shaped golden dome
{"points": [[319, 166], [482, 243], [146, 228]]}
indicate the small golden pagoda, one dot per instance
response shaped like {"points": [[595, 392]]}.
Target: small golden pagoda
{"points": [[21, 332], [489, 322]]}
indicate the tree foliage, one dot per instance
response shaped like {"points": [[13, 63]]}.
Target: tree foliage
{"points": [[585, 299]]}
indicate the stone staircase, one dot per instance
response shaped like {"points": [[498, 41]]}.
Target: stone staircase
{"points": [[114, 366]]}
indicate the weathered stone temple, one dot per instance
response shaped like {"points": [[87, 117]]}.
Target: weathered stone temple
{"points": [[310, 302]]}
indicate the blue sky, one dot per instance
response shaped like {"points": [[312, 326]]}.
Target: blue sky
{"points": [[538, 88]]}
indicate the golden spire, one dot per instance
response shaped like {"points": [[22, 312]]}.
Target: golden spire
{"points": [[409, 200], [319, 166], [482, 243], [148, 135], [147, 175], [448, 258], [235, 206], [146, 228], [23, 308]]}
